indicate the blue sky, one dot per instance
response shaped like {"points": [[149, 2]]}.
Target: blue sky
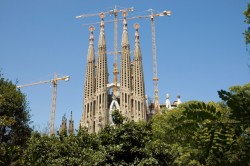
{"points": [[200, 48]]}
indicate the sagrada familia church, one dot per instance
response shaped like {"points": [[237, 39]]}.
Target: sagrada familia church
{"points": [[101, 97], [128, 96]]}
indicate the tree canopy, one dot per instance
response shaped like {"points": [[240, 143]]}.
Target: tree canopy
{"points": [[14, 121], [195, 133], [247, 21]]}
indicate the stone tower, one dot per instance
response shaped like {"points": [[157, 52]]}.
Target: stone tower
{"points": [[125, 77], [99, 99], [88, 118], [101, 82], [63, 126], [64, 129], [138, 101], [71, 125], [95, 85]]}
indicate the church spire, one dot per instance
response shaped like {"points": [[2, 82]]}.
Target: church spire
{"points": [[125, 76], [89, 83], [138, 87], [125, 40], [137, 49], [63, 126], [71, 125], [102, 41], [101, 97], [91, 54]]}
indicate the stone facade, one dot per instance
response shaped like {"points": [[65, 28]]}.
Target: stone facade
{"points": [[98, 99]]}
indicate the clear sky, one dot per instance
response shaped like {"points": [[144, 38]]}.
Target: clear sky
{"points": [[200, 48]]}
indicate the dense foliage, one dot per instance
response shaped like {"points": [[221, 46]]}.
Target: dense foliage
{"points": [[79, 149], [14, 122], [195, 133]]}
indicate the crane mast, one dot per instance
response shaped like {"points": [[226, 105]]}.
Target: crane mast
{"points": [[155, 72], [115, 72], [155, 76], [53, 106]]}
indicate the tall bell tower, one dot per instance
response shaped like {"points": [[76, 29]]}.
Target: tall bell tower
{"points": [[100, 96], [138, 99]]}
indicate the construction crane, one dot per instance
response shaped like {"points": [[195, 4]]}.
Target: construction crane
{"points": [[155, 72], [155, 78], [53, 106], [114, 12]]}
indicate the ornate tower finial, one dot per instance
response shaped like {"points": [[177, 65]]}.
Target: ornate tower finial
{"points": [[102, 42], [91, 37], [125, 40], [102, 16], [136, 26], [124, 14]]}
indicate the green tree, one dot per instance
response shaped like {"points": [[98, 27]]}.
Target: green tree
{"points": [[247, 21], [14, 122], [126, 143], [117, 117], [196, 132], [130, 143], [80, 149], [208, 133], [238, 101]]}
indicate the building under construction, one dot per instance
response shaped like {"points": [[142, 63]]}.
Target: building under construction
{"points": [[101, 98]]}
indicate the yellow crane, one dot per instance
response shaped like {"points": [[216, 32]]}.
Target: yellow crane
{"points": [[155, 72], [53, 106], [114, 12]]}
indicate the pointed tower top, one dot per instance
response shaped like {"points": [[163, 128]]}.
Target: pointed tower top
{"points": [[71, 125], [124, 14], [125, 41], [91, 54], [137, 50], [136, 26], [91, 37], [102, 16], [101, 42], [63, 127]]}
